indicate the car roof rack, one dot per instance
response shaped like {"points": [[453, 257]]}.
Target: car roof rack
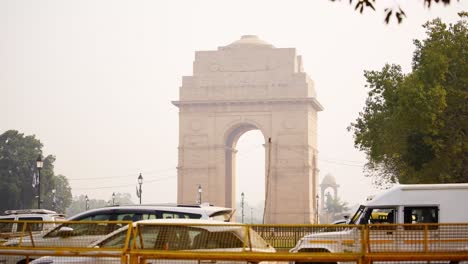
{"points": [[164, 204], [29, 211]]}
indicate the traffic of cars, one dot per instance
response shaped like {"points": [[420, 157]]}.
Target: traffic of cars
{"points": [[90, 226]]}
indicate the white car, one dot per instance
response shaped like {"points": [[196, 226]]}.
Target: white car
{"points": [[176, 234], [43, 221]]}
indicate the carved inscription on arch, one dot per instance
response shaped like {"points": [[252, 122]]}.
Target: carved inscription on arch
{"points": [[234, 88]]}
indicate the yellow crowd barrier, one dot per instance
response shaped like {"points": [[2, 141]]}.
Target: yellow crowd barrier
{"points": [[146, 242]]}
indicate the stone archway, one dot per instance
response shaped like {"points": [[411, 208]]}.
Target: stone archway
{"points": [[231, 138], [248, 85]]}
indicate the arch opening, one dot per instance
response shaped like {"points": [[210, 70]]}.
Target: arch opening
{"points": [[250, 176], [245, 171]]}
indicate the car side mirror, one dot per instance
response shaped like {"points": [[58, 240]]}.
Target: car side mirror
{"points": [[65, 231]]}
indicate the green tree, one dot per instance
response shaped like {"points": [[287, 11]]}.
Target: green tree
{"points": [[335, 206], [18, 188], [78, 204], [122, 198], [60, 196], [413, 126]]}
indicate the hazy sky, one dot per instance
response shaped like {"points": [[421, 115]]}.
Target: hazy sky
{"points": [[94, 81]]}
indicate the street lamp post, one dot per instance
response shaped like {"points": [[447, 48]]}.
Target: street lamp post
{"points": [[140, 182], [113, 198], [86, 203], [242, 206], [39, 164], [199, 194]]}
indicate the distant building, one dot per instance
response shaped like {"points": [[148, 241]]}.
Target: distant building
{"points": [[328, 182]]}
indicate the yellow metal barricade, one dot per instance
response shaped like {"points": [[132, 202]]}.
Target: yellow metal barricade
{"points": [[417, 242], [197, 242]]}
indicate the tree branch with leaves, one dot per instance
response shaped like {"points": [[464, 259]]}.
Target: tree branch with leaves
{"points": [[397, 11]]}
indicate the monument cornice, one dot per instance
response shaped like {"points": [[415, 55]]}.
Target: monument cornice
{"points": [[203, 103]]}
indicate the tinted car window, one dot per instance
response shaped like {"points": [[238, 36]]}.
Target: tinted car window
{"points": [[168, 215], [135, 216], [421, 215], [34, 226]]}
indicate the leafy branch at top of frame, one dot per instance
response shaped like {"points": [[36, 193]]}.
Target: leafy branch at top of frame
{"points": [[397, 12]]}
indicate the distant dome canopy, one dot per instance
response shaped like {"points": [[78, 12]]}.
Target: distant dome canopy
{"points": [[249, 41], [329, 180]]}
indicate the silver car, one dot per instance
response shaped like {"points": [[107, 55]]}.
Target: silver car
{"points": [[176, 234]]}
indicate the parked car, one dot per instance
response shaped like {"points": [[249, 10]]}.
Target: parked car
{"points": [[9, 228], [90, 226], [173, 234]]}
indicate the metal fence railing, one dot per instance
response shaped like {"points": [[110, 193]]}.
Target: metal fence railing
{"points": [[158, 242]]}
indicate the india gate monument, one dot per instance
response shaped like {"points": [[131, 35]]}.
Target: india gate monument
{"points": [[246, 85]]}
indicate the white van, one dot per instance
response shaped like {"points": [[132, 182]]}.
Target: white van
{"points": [[408, 206]]}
